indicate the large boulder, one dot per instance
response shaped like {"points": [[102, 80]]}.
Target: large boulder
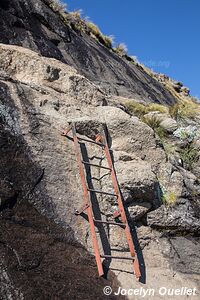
{"points": [[183, 253], [169, 124], [183, 217], [131, 135], [125, 133], [136, 180]]}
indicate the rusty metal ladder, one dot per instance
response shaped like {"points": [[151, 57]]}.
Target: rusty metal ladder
{"points": [[101, 141]]}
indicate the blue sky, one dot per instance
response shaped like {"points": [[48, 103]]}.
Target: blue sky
{"points": [[164, 35]]}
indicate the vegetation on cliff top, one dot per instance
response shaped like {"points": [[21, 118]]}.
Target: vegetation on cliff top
{"points": [[78, 23], [82, 25]]}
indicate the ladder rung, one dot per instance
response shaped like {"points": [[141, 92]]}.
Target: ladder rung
{"points": [[110, 222], [117, 257], [94, 165], [89, 141], [101, 192]]}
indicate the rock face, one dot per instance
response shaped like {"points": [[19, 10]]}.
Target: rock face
{"points": [[7, 194], [32, 24], [40, 188], [183, 217], [137, 181], [36, 104], [56, 267]]}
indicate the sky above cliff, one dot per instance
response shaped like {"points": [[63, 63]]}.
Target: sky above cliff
{"points": [[164, 35]]}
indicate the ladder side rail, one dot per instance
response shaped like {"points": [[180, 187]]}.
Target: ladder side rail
{"points": [[121, 208], [87, 201]]}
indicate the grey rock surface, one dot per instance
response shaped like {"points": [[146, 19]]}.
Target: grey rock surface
{"points": [[169, 124], [32, 24], [183, 216], [182, 251], [139, 209], [39, 95]]}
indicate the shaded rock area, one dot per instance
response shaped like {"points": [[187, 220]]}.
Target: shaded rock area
{"points": [[39, 259], [33, 25]]}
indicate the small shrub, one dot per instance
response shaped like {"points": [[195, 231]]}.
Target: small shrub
{"points": [[140, 110], [76, 14], [171, 199], [93, 29], [174, 111], [161, 132], [167, 198], [76, 22], [108, 41], [189, 156], [134, 59], [153, 122]]}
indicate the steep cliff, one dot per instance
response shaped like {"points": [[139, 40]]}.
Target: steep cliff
{"points": [[32, 24]]}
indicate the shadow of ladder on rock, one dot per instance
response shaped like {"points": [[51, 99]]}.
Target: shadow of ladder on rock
{"points": [[101, 141]]}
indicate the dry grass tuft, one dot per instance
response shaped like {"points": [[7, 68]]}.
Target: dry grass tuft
{"points": [[140, 109], [57, 6], [121, 49], [96, 33], [185, 109]]}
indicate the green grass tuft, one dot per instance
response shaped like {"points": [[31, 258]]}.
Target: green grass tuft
{"points": [[169, 198], [189, 155], [136, 108], [169, 148], [154, 123], [140, 110]]}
